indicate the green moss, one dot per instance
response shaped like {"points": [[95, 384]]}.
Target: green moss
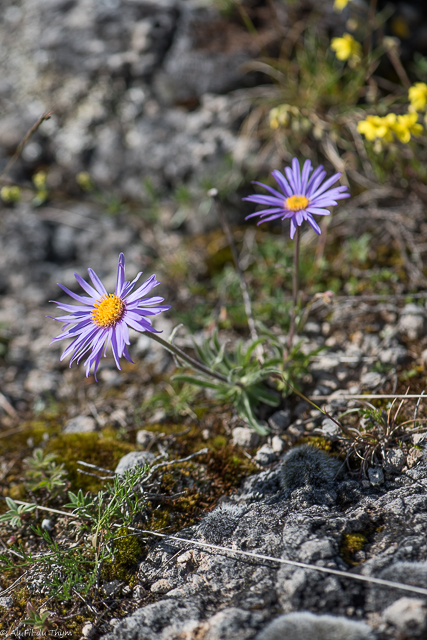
{"points": [[128, 552], [351, 543], [90, 447]]}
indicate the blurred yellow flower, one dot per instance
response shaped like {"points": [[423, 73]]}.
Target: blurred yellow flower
{"points": [[279, 116], [347, 48], [39, 180], [84, 181], [339, 5], [418, 96], [406, 126], [375, 127], [10, 194]]}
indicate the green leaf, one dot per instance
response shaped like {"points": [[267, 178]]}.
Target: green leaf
{"points": [[181, 377]]}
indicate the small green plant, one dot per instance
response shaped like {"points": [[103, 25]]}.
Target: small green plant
{"points": [[43, 473], [37, 620], [15, 513], [243, 378], [174, 399], [77, 567]]}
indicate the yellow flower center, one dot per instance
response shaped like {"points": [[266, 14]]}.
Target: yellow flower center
{"points": [[108, 310], [296, 203]]}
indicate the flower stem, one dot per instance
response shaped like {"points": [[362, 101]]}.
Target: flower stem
{"points": [[213, 193], [184, 356], [295, 287]]}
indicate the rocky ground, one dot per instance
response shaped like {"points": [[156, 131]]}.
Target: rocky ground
{"points": [[147, 97]]}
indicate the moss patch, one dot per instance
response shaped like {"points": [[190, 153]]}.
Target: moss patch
{"points": [[96, 448], [351, 543]]}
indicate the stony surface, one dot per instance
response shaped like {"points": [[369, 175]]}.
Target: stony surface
{"points": [[213, 595], [133, 84], [155, 90]]}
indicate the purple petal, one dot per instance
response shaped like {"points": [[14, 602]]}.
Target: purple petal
{"points": [[314, 224], [274, 192], [297, 174], [293, 228], [315, 180], [290, 176], [115, 350], [299, 217], [306, 170], [70, 307], [120, 275], [97, 282], [82, 299], [84, 285], [318, 212], [73, 318], [272, 200], [266, 212], [283, 183], [329, 182], [147, 302], [127, 356], [323, 201], [143, 289], [130, 285]]}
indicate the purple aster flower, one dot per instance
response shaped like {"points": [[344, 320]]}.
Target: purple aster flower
{"points": [[301, 197], [106, 317]]}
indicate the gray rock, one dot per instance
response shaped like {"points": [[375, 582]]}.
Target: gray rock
{"points": [[161, 586], [412, 321], [265, 455], [414, 456], [408, 615], [312, 328], [219, 525], [39, 382], [307, 626], [232, 624], [159, 621], [112, 589], [394, 461], [393, 355], [330, 428], [144, 437], [306, 466], [376, 476], [280, 421], [408, 573], [80, 424], [88, 630], [325, 364], [371, 379], [132, 460], [7, 602], [195, 65], [47, 524], [245, 437], [277, 444]]}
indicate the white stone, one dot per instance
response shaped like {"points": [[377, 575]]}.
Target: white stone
{"points": [[407, 614], [133, 459], [88, 629], [144, 438], [161, 586], [245, 437], [265, 455], [376, 476], [277, 444], [80, 424]]}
